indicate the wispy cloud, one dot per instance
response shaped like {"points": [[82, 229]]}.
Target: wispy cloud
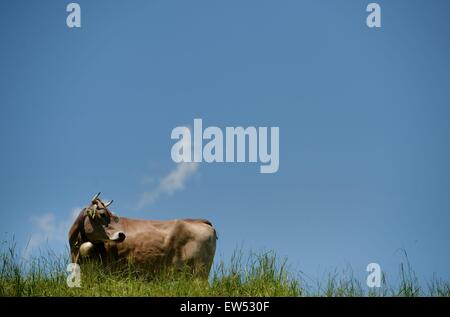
{"points": [[47, 229], [171, 183]]}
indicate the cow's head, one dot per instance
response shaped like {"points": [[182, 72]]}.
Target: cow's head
{"points": [[95, 224]]}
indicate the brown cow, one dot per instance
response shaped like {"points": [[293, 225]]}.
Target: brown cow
{"points": [[149, 243]]}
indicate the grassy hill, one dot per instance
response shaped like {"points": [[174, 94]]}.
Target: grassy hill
{"points": [[252, 274]]}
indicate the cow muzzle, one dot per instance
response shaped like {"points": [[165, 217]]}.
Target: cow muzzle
{"points": [[117, 236]]}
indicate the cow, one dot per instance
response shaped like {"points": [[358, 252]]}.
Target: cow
{"points": [[154, 245]]}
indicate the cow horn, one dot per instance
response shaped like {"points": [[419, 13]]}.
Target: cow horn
{"points": [[108, 203], [96, 196]]}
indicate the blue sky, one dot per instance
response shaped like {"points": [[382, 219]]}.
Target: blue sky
{"points": [[363, 116]]}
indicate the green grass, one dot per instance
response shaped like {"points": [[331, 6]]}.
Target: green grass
{"points": [[252, 274]]}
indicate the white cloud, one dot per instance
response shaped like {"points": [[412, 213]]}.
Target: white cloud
{"points": [[47, 229], [172, 182], [169, 184]]}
